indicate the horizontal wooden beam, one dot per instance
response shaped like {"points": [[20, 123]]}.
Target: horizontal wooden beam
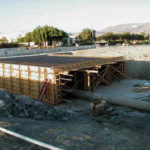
{"points": [[65, 79], [66, 90], [90, 71]]}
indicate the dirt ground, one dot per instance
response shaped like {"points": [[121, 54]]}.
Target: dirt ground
{"points": [[126, 131], [141, 53], [119, 128]]}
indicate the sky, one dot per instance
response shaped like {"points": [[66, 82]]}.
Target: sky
{"points": [[21, 16]]}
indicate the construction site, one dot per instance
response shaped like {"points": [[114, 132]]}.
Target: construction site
{"points": [[82, 99]]}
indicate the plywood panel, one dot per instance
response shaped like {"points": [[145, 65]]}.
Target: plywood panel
{"points": [[27, 80]]}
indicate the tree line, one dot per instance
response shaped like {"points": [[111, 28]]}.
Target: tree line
{"points": [[42, 35], [88, 36], [125, 37], [45, 35], [4, 43]]}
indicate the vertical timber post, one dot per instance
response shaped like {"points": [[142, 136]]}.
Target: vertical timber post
{"points": [[11, 84], [29, 80], [85, 81], [20, 85], [123, 67], [89, 81], [108, 74]]}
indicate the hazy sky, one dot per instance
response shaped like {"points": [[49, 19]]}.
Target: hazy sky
{"points": [[71, 15]]}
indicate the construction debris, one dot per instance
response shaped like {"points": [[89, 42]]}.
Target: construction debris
{"points": [[97, 105], [25, 107], [142, 89], [100, 107]]}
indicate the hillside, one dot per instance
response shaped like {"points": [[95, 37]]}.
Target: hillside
{"points": [[133, 28]]}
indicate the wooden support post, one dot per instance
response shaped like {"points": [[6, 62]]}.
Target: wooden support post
{"points": [[75, 80], [123, 68], [97, 83], [39, 77], [45, 77], [57, 89], [11, 83], [4, 75], [108, 74], [119, 68], [85, 81], [89, 81], [120, 72], [20, 83], [102, 77], [29, 80], [92, 82]]}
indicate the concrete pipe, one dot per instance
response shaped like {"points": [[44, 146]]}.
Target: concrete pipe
{"points": [[141, 105]]}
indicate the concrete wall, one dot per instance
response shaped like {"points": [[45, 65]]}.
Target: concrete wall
{"points": [[138, 69], [24, 51]]}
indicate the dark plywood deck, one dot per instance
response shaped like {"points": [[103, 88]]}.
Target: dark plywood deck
{"points": [[51, 60], [59, 61]]}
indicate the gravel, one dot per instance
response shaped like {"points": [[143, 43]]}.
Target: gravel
{"points": [[25, 107]]}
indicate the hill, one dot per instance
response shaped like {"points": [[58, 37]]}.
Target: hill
{"points": [[133, 28]]}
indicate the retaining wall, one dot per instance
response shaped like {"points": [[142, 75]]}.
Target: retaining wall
{"points": [[24, 51], [138, 69]]}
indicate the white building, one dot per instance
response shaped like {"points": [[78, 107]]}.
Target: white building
{"points": [[70, 40]]}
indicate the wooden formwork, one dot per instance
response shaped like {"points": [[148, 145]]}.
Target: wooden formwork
{"points": [[93, 77], [28, 78]]}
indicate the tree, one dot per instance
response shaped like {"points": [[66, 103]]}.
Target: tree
{"points": [[28, 37], [20, 39], [108, 36], [3, 40], [126, 36], [99, 38], [147, 36], [43, 35], [87, 36]]}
